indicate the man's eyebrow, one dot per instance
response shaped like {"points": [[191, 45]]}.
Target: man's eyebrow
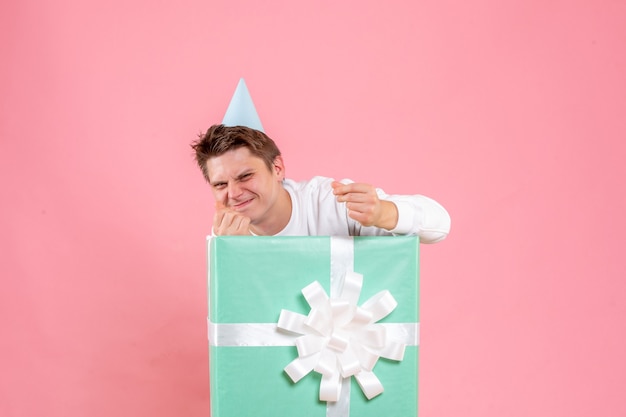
{"points": [[244, 173], [217, 182], [238, 177]]}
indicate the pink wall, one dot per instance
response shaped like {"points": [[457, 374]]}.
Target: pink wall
{"points": [[511, 114]]}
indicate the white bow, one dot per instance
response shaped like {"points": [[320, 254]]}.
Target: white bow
{"points": [[340, 339]]}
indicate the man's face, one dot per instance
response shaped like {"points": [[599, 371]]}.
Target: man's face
{"points": [[242, 182]]}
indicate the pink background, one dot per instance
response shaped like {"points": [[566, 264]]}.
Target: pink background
{"points": [[511, 114]]}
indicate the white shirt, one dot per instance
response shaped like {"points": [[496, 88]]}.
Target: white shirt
{"points": [[316, 212]]}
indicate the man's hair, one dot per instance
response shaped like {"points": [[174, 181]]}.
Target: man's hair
{"points": [[220, 139]]}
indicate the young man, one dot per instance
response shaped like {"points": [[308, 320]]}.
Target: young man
{"points": [[247, 176]]}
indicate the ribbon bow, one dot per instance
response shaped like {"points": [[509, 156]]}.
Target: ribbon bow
{"points": [[341, 339]]}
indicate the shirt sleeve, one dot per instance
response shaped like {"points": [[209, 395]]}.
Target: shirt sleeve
{"points": [[419, 215]]}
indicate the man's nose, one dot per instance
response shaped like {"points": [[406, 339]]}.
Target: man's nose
{"points": [[234, 190]]}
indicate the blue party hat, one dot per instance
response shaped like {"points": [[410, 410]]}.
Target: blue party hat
{"points": [[241, 110]]}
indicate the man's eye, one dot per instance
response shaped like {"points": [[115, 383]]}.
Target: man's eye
{"points": [[219, 186], [246, 176]]}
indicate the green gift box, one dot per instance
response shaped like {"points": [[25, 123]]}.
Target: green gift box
{"points": [[252, 280]]}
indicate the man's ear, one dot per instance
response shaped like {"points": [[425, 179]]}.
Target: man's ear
{"points": [[279, 167]]}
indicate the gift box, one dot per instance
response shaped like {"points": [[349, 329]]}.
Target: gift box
{"points": [[313, 310]]}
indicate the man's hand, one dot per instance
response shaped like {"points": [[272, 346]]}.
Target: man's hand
{"points": [[364, 206], [227, 222]]}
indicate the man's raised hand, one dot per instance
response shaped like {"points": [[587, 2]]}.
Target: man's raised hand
{"points": [[227, 222], [364, 206]]}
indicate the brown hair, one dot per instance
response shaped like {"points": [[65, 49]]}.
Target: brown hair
{"points": [[220, 139]]}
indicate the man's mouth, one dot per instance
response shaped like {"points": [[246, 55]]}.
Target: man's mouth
{"points": [[241, 205]]}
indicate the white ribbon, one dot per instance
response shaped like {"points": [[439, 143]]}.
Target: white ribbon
{"points": [[338, 338]]}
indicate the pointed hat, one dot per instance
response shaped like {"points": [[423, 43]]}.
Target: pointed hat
{"points": [[241, 110]]}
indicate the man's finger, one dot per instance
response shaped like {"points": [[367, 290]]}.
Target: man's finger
{"points": [[227, 222], [365, 198], [360, 207], [354, 187], [362, 195], [218, 218], [244, 226]]}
